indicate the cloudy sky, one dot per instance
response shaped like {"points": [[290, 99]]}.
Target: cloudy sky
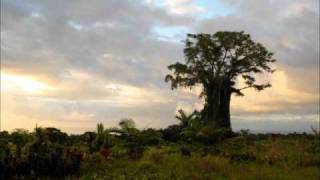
{"points": [[71, 64]]}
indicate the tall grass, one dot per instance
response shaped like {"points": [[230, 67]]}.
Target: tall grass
{"points": [[237, 158]]}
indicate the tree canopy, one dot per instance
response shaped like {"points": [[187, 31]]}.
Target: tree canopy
{"points": [[215, 62]]}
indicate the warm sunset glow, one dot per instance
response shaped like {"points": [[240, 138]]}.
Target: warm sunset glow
{"points": [[24, 84]]}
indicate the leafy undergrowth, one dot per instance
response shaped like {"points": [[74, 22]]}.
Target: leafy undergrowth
{"points": [[235, 158], [129, 153]]}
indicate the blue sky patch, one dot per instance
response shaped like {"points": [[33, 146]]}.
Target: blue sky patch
{"points": [[170, 33], [214, 8]]}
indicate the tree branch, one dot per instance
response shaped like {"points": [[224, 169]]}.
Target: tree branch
{"points": [[245, 87]]}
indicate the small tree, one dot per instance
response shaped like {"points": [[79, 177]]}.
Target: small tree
{"points": [[100, 138], [215, 62], [20, 137], [185, 119], [128, 126]]}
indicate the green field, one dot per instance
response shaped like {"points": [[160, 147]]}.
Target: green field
{"points": [[236, 158], [129, 153]]}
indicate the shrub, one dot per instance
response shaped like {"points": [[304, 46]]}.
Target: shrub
{"points": [[171, 133], [96, 158], [211, 135], [157, 154], [118, 152], [150, 137]]}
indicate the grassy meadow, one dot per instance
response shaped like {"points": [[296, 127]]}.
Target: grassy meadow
{"points": [[241, 157], [129, 153]]}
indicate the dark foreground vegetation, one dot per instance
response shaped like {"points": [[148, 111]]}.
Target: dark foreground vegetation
{"points": [[176, 152]]}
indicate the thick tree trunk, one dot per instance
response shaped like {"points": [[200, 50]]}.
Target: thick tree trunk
{"points": [[213, 105], [224, 113], [217, 108]]}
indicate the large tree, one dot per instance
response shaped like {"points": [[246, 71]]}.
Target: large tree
{"points": [[216, 62]]}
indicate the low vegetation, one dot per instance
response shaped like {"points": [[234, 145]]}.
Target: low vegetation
{"points": [[171, 153]]}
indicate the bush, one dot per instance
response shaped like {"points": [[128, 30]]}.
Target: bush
{"points": [[150, 137], [118, 152], [172, 133], [157, 154], [211, 135], [96, 158]]}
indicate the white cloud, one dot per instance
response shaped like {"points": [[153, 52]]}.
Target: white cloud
{"points": [[183, 7]]}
